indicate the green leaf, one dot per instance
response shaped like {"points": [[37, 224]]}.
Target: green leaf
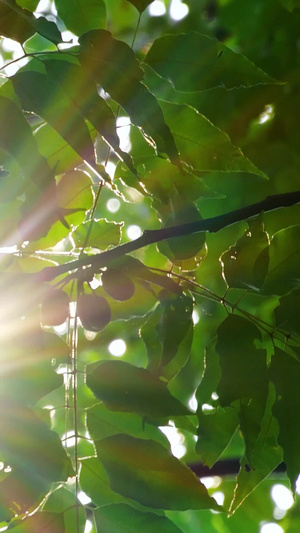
{"points": [[124, 387], [56, 108], [181, 248], [102, 234], [287, 314], [71, 80], [103, 422], [266, 456], [244, 376], [202, 145], [44, 521], [244, 368], [118, 72], [63, 501], [140, 4], [81, 16], [59, 154], [122, 518], [217, 425], [74, 192], [94, 482], [146, 472], [168, 350], [19, 24], [285, 374], [34, 453], [30, 383], [290, 5], [38, 452], [28, 4], [244, 264], [161, 178], [136, 269], [172, 310], [17, 140], [195, 62], [283, 272]]}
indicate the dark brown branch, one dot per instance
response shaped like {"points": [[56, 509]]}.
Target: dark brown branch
{"points": [[212, 225], [226, 467]]}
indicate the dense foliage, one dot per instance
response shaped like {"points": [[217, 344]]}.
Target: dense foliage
{"points": [[141, 297]]}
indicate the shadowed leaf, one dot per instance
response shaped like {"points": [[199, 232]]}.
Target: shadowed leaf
{"points": [[124, 387], [122, 518], [285, 374], [146, 472], [195, 62]]}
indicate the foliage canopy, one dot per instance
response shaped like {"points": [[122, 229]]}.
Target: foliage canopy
{"points": [[149, 210]]}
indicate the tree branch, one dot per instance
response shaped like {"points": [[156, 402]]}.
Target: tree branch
{"points": [[212, 225]]}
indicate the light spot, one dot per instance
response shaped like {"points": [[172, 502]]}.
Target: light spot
{"points": [[211, 482], [43, 6], [271, 527], [282, 496], [133, 232], [83, 498], [175, 438], [113, 205], [266, 115], [123, 131], [219, 497], [193, 404], [214, 396], [110, 168], [69, 439], [207, 407], [88, 527], [178, 10], [195, 317], [62, 328], [298, 485], [117, 348], [157, 9]]}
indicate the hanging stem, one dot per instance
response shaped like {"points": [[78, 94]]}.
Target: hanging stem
{"points": [[75, 418]]}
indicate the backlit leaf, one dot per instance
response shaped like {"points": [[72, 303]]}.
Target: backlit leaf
{"points": [[266, 456], [45, 521], [287, 314], [122, 518], [146, 472], [244, 376], [285, 374], [124, 387], [283, 272], [28, 4], [217, 425], [244, 264], [17, 140], [56, 108], [102, 423], [102, 234], [113, 64], [244, 368], [70, 79], [81, 16], [202, 145], [19, 24], [195, 62], [95, 483]]}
